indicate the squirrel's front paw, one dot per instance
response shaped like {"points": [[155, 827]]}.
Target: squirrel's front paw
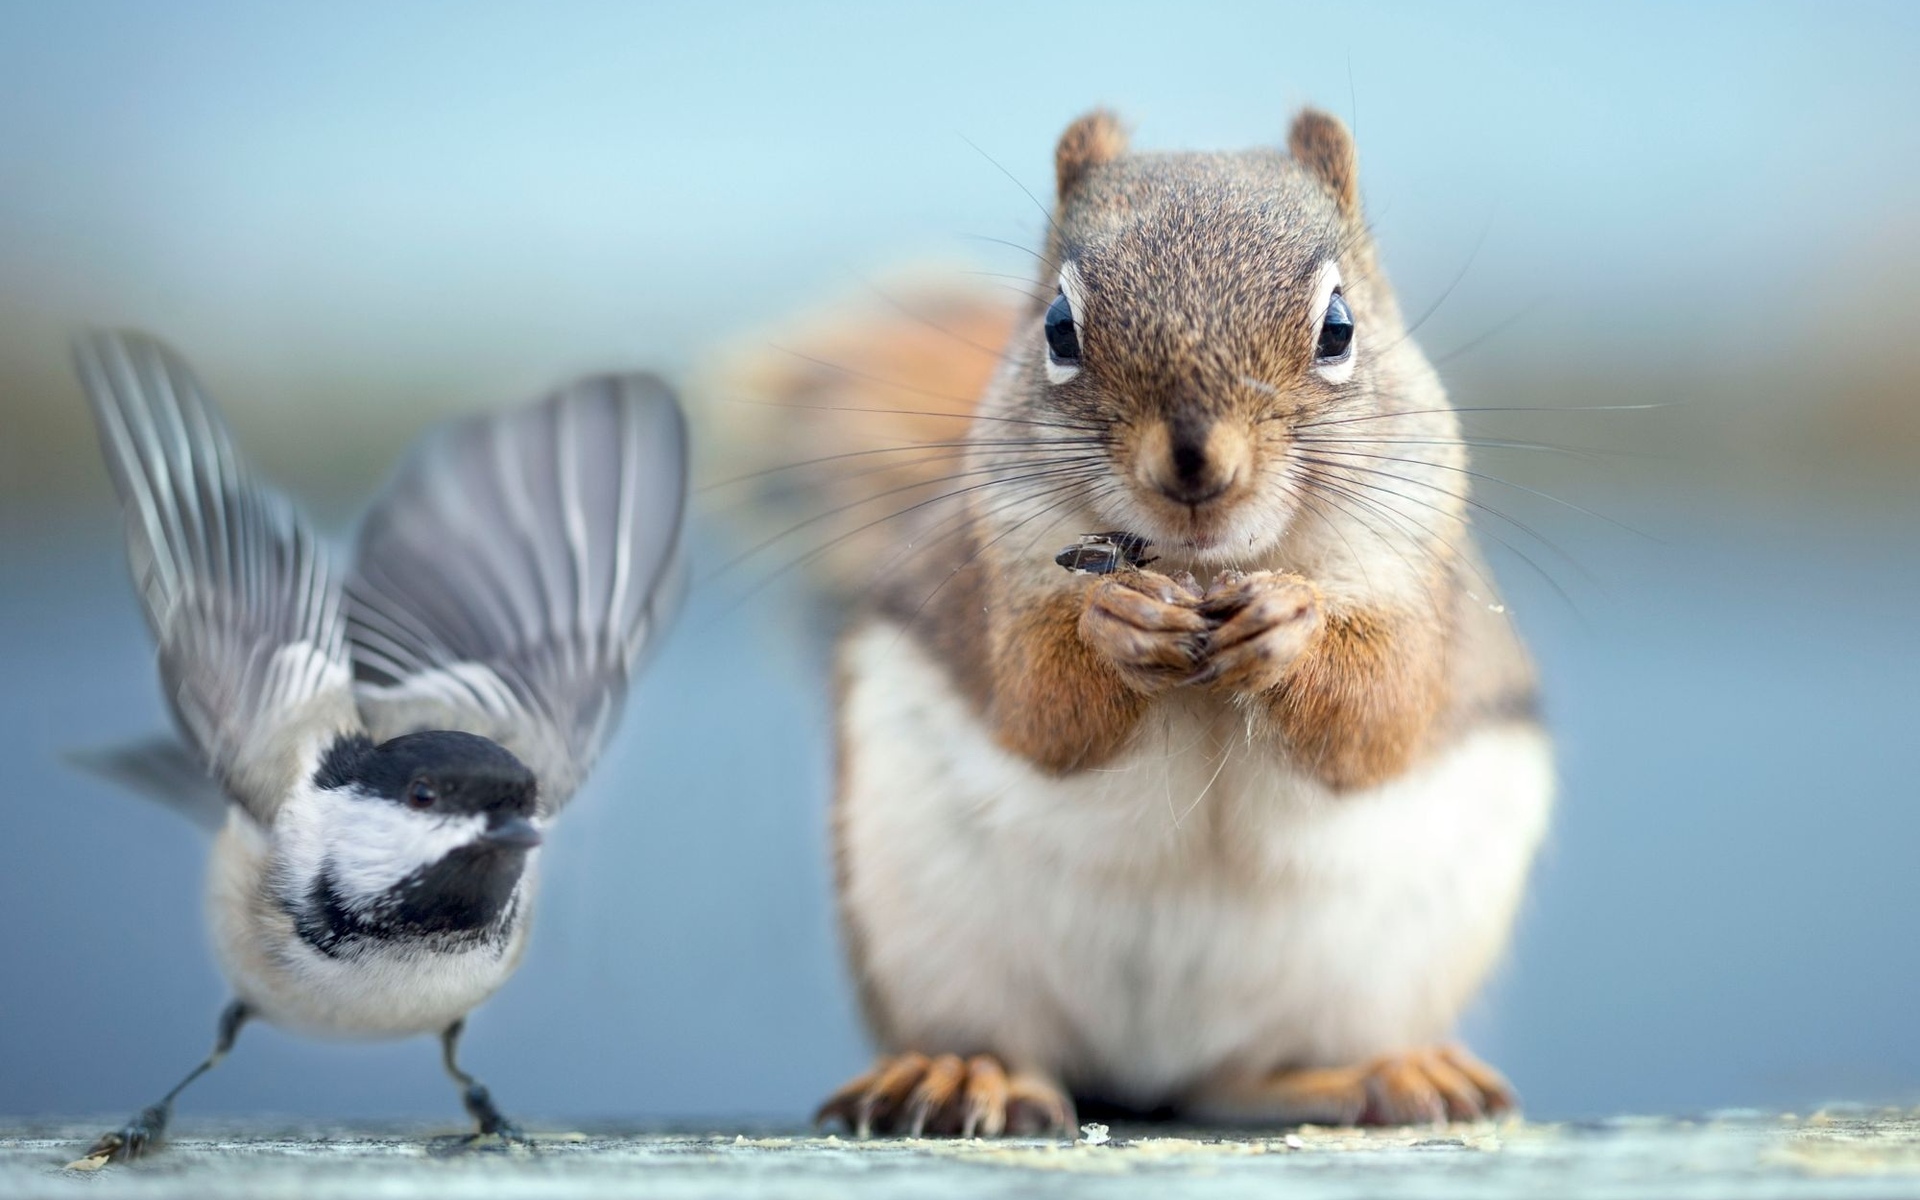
{"points": [[1263, 620], [1148, 626]]}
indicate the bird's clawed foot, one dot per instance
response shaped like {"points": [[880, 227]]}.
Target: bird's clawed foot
{"points": [[506, 1140], [130, 1141], [916, 1095], [492, 1133]]}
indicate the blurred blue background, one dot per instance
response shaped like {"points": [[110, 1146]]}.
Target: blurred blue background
{"points": [[357, 218]]}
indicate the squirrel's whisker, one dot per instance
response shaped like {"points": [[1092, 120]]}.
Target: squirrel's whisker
{"points": [[895, 384], [1073, 493], [1015, 180], [751, 499], [1470, 472], [912, 314], [1072, 464], [961, 449], [1029, 251], [1488, 408], [1357, 489], [826, 546], [905, 412], [1499, 327], [1458, 278], [1401, 530], [1587, 453]]}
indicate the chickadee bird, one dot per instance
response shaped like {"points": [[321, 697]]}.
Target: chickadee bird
{"points": [[391, 750]]}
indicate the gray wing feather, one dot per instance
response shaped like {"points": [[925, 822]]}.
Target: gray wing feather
{"points": [[159, 768], [517, 571], [236, 589]]}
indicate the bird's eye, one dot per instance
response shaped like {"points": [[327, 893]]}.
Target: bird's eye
{"points": [[1336, 332], [1063, 340], [421, 794]]}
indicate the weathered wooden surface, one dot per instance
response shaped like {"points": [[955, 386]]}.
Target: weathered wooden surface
{"points": [[1839, 1153]]}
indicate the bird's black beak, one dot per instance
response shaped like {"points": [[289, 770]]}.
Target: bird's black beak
{"points": [[514, 833]]}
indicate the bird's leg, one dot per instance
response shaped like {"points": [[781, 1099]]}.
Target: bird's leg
{"points": [[474, 1094], [141, 1134]]}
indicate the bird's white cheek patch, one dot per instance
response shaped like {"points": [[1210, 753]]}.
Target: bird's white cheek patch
{"points": [[367, 844]]}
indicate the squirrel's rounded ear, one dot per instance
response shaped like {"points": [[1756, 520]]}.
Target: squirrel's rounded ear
{"points": [[1090, 141], [1320, 142]]}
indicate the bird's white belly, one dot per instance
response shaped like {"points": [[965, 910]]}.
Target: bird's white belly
{"points": [[379, 994], [1195, 905]]}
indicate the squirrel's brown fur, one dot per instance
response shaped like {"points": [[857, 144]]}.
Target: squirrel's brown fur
{"points": [[1315, 584]]}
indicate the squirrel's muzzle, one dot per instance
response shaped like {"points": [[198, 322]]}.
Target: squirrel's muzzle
{"points": [[1191, 460]]}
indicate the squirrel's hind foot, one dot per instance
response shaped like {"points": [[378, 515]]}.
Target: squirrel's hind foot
{"points": [[915, 1095], [1415, 1087]]}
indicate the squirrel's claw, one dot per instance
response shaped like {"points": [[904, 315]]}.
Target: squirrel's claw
{"points": [[915, 1095]]}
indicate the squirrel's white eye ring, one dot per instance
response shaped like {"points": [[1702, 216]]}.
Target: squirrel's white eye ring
{"points": [[1063, 340]]}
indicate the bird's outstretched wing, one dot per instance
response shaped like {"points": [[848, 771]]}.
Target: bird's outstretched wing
{"points": [[518, 568], [236, 588], [162, 769]]}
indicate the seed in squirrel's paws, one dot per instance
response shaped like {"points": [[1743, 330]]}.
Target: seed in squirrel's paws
{"points": [[1104, 553]]}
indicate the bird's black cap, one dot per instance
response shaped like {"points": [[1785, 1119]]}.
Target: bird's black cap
{"points": [[441, 769]]}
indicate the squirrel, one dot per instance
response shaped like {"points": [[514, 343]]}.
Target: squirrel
{"points": [[1235, 824]]}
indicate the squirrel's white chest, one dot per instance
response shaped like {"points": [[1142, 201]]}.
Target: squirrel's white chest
{"points": [[1195, 905], [378, 994]]}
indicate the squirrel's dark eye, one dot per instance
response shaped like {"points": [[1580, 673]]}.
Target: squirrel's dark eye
{"points": [[1063, 340], [421, 794], [1336, 331]]}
